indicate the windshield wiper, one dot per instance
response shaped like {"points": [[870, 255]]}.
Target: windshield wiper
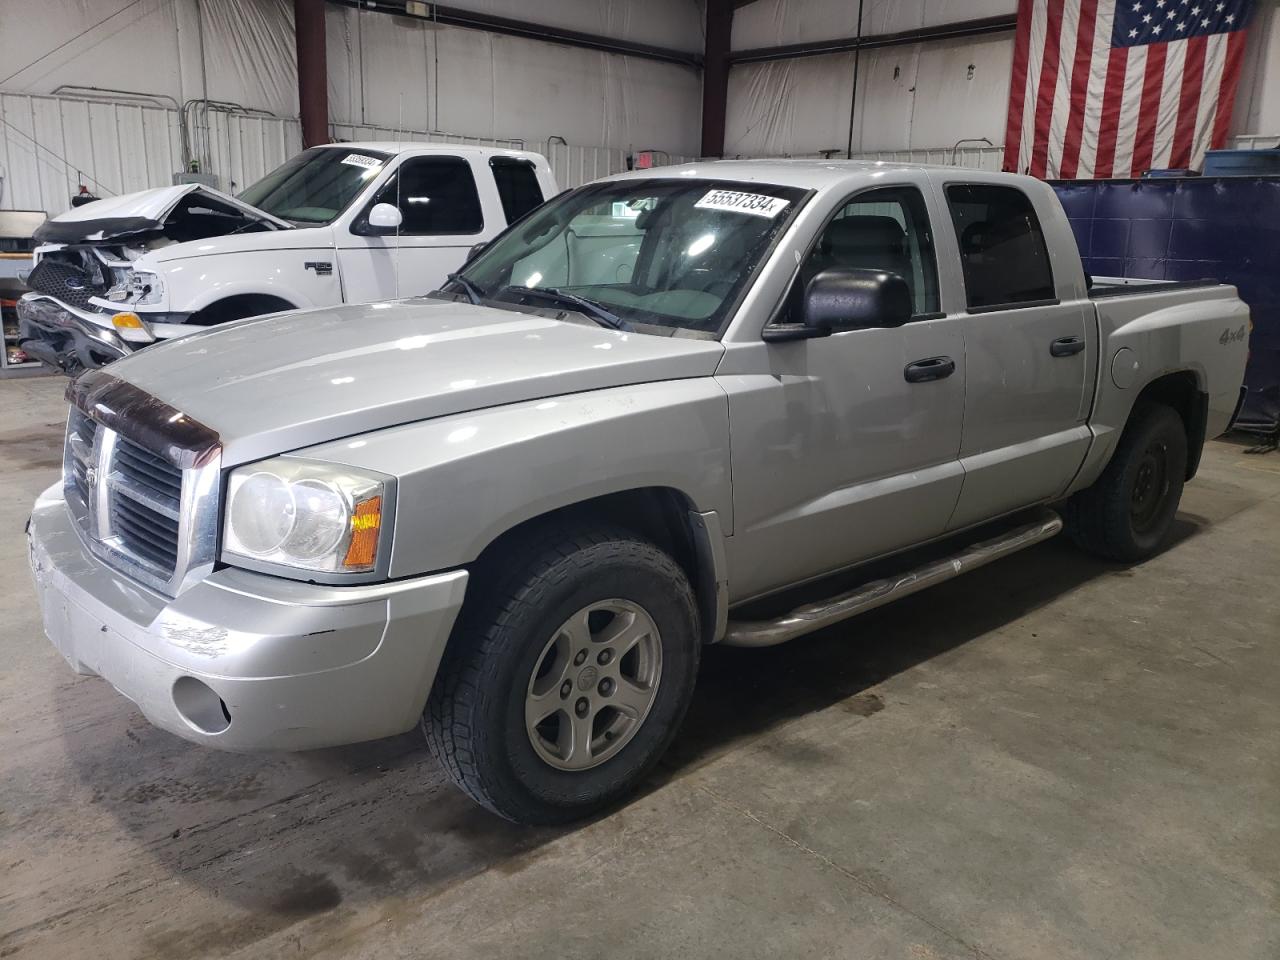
{"points": [[473, 292], [596, 311]]}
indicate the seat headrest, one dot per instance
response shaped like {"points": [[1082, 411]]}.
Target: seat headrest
{"points": [[864, 235]]}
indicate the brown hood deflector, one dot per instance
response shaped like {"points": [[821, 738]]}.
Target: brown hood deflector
{"points": [[140, 417]]}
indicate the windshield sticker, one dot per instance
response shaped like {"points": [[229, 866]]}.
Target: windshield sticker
{"points": [[360, 160], [756, 204]]}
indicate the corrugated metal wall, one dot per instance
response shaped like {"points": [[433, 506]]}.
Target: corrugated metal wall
{"points": [[51, 145]]}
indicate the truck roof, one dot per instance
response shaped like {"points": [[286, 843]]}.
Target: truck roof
{"points": [[412, 146], [815, 174]]}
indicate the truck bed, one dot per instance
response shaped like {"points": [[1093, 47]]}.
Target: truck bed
{"points": [[1103, 287]]}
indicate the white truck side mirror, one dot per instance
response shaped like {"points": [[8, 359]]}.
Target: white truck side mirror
{"points": [[385, 216]]}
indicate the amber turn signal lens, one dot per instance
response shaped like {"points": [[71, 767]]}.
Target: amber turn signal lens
{"points": [[366, 522], [127, 321]]}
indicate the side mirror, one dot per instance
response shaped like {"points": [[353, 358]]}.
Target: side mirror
{"points": [[847, 298], [856, 298], [385, 217]]}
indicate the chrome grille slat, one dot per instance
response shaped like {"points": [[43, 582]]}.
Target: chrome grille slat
{"points": [[148, 468], [148, 496]]}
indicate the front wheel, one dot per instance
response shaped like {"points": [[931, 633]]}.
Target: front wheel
{"points": [[1128, 513], [568, 677]]}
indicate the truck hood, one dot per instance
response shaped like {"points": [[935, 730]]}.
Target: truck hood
{"points": [[270, 385], [146, 211]]}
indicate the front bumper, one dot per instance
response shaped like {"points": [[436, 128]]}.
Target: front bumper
{"points": [[243, 661], [65, 338]]}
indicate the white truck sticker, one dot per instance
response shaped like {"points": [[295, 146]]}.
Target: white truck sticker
{"points": [[756, 204], [360, 160]]}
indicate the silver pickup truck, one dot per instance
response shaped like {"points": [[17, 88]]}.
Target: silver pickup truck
{"points": [[721, 403]]}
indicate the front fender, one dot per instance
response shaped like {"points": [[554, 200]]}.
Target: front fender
{"points": [[195, 283], [466, 479]]}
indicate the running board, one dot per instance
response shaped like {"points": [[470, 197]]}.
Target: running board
{"points": [[815, 616]]}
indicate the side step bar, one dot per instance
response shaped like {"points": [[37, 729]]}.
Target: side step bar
{"points": [[815, 616]]}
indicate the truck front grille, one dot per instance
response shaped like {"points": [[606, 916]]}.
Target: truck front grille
{"points": [[68, 282], [137, 511], [144, 497]]}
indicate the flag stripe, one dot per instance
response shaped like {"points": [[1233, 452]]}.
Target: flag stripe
{"points": [[1080, 76], [1112, 99], [1227, 94], [1061, 114], [1167, 117], [1148, 109], [1017, 88], [1048, 83], [1097, 88], [1130, 104], [1214, 61], [1188, 103]]}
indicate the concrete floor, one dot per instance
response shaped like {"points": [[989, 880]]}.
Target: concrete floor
{"points": [[1052, 757]]}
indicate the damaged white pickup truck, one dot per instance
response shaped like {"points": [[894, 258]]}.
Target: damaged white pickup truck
{"points": [[342, 223]]}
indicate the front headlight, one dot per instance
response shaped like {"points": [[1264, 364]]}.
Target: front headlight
{"points": [[306, 514], [145, 287]]}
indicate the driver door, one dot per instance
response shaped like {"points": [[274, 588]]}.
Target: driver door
{"points": [[443, 219], [840, 452]]}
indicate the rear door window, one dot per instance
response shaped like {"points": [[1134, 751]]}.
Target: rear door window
{"points": [[1002, 248], [517, 186]]}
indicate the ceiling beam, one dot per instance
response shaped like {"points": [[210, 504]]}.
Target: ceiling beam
{"points": [[817, 48], [450, 16]]}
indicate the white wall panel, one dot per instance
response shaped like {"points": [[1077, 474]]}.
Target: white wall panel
{"points": [[767, 23], [404, 72]]}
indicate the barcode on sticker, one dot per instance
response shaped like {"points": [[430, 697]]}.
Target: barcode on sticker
{"points": [[756, 204], [360, 160]]}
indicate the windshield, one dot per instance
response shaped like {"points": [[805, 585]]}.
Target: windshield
{"points": [[668, 253], [316, 185]]}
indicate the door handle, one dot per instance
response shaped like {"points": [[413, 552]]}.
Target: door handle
{"points": [[934, 368], [1066, 346]]}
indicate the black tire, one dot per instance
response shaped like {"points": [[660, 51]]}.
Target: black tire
{"points": [[1128, 513], [474, 721]]}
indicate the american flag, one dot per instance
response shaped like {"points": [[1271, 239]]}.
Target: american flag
{"points": [[1111, 89]]}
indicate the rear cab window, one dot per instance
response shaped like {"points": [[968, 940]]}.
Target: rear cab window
{"points": [[1002, 249], [518, 186]]}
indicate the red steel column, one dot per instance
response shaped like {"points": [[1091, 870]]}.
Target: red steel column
{"points": [[313, 78], [715, 76]]}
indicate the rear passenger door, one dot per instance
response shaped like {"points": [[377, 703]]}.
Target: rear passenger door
{"points": [[1025, 431]]}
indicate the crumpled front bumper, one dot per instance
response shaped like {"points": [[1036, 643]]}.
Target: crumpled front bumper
{"points": [[243, 661], [65, 338]]}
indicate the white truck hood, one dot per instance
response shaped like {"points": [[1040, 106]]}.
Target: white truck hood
{"points": [[115, 218], [274, 384]]}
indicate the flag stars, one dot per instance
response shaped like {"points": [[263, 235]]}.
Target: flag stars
{"points": [[1147, 18], [1181, 27], [1231, 18], [1171, 14], [1204, 22], [1221, 7], [1195, 11], [1156, 29], [1132, 34], [1137, 8]]}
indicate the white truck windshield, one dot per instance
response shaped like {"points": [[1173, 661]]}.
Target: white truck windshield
{"points": [[316, 185]]}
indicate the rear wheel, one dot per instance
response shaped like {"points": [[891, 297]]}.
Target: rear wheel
{"points": [[568, 677], [1128, 513]]}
